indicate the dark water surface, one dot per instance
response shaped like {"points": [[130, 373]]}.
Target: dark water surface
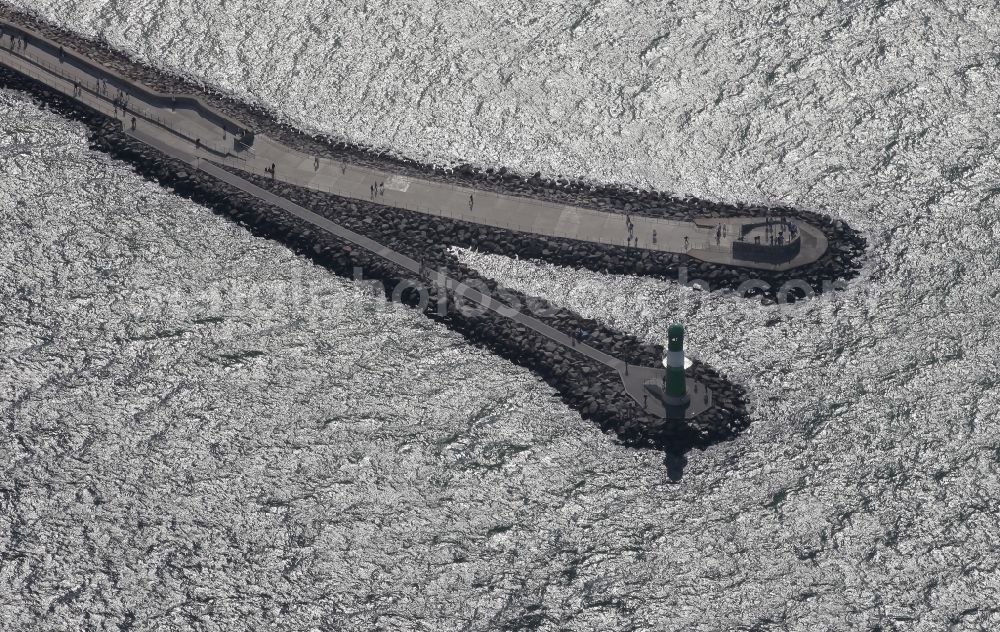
{"points": [[203, 431]]}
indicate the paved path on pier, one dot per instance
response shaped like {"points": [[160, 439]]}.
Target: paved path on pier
{"points": [[634, 378], [188, 124]]}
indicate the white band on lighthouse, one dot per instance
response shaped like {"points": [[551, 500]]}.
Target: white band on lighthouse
{"points": [[675, 359]]}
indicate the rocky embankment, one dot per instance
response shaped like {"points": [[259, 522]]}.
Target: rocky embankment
{"points": [[429, 238], [593, 389], [841, 262]]}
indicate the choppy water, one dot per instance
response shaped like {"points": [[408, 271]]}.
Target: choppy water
{"points": [[183, 446]]}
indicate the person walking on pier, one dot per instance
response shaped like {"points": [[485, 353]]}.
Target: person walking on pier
{"points": [[381, 188], [470, 202], [133, 123], [371, 192], [686, 244]]}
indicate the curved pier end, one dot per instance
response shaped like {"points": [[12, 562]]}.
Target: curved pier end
{"points": [[775, 244], [601, 227]]}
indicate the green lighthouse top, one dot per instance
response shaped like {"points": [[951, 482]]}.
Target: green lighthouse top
{"points": [[675, 337]]}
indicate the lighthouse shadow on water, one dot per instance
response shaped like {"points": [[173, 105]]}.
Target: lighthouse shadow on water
{"points": [[675, 463]]}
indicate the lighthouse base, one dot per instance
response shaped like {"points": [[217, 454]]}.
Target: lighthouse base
{"points": [[672, 407], [670, 400], [645, 385], [655, 389]]}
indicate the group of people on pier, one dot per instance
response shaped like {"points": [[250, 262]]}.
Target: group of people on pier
{"points": [[121, 102], [631, 231], [17, 42], [775, 232], [720, 232]]}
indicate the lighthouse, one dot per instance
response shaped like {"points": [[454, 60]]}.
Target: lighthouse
{"points": [[674, 382]]}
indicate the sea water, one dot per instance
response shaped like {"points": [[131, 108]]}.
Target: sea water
{"points": [[204, 431]]}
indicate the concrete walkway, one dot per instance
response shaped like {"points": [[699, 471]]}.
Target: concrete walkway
{"points": [[174, 145], [188, 124]]}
